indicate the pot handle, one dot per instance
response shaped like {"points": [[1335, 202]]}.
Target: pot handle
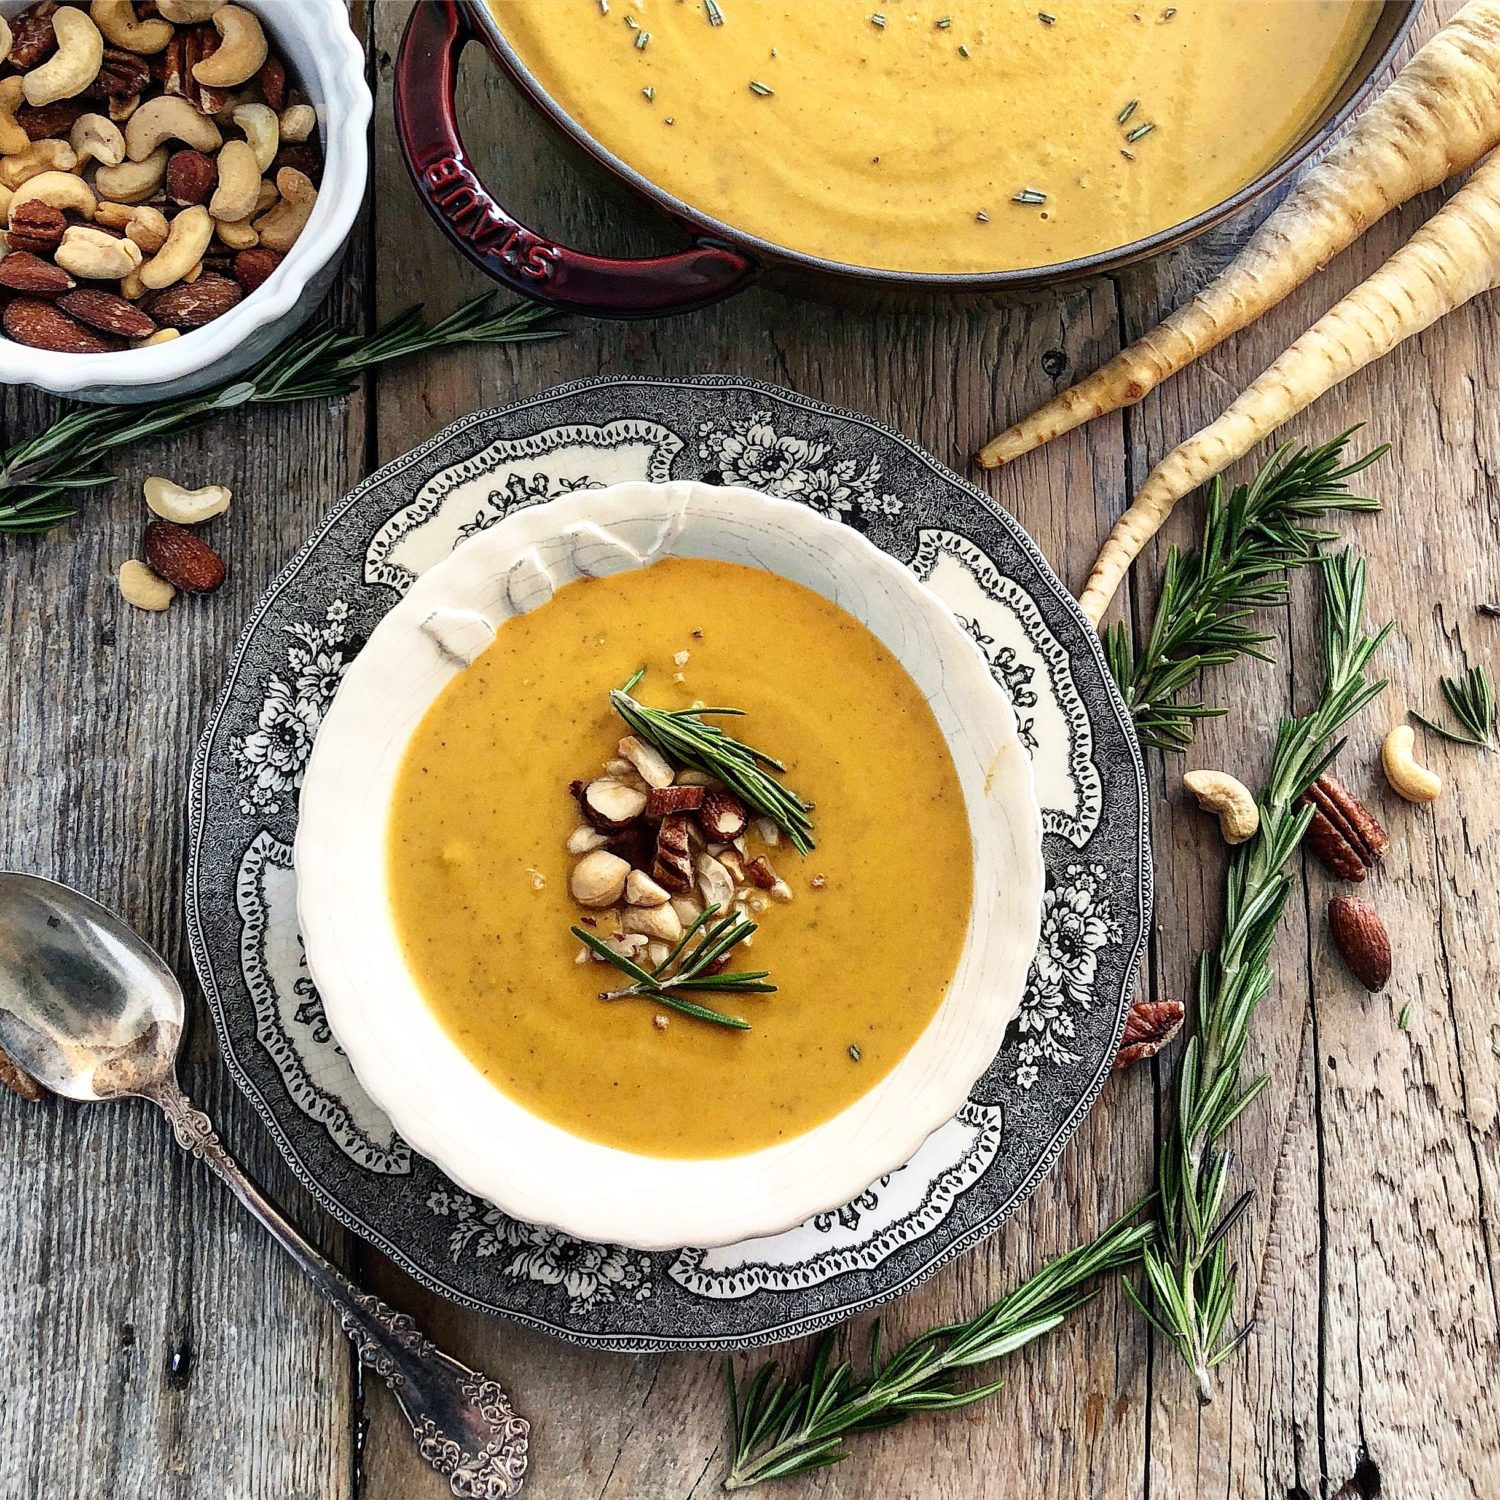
{"points": [[570, 280]]}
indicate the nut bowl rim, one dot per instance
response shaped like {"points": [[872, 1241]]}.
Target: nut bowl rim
{"points": [[437, 1099], [343, 121]]}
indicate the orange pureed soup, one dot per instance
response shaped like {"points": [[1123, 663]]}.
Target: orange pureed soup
{"points": [[479, 874]]}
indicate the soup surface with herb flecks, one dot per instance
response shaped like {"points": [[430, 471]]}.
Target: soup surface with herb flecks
{"points": [[861, 955], [943, 135]]}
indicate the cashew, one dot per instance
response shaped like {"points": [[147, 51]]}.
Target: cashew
{"points": [[278, 230], [148, 227], [584, 838], [169, 117], [12, 137], [117, 20], [97, 138], [143, 588], [240, 54], [298, 121], [132, 288], [172, 502], [161, 336], [598, 879], [186, 241], [132, 181], [1219, 792], [654, 921], [190, 276], [5, 196], [188, 12], [268, 197], [121, 110], [43, 156], [262, 130], [114, 215], [96, 254], [236, 236], [239, 183], [4, 39], [75, 64], [1408, 779], [642, 890], [60, 189]]}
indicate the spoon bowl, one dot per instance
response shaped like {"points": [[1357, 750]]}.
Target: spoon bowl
{"points": [[86, 1007]]}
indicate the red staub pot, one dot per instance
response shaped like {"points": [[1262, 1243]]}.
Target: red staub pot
{"points": [[721, 260]]}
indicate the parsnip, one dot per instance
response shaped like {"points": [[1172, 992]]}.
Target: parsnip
{"points": [[1454, 256], [1438, 118]]}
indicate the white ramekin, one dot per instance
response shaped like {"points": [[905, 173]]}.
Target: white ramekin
{"points": [[320, 50]]}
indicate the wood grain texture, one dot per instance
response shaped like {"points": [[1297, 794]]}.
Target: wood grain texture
{"points": [[1370, 1253]]}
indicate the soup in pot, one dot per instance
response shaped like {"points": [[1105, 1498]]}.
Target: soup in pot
{"points": [[943, 135]]}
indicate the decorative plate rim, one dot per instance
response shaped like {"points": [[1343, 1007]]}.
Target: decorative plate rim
{"points": [[355, 1222]]}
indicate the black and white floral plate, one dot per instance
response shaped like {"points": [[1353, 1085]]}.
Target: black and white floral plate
{"points": [[241, 900]]}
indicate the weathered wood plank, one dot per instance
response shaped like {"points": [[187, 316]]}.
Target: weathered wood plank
{"points": [[156, 1343]]}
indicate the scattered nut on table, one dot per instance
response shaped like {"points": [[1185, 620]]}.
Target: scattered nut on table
{"points": [[1229, 797], [143, 588], [173, 502], [1408, 778]]}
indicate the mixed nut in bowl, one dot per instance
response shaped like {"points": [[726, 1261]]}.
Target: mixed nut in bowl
{"points": [[177, 182]]}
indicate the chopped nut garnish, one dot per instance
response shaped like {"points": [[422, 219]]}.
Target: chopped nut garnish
{"points": [[682, 658], [659, 1021]]}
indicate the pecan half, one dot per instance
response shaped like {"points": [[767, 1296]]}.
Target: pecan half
{"points": [[37, 227], [662, 800], [19, 1081], [46, 120], [120, 75], [1344, 834], [1149, 1026], [32, 37], [673, 866]]}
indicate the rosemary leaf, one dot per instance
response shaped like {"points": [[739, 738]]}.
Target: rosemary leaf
{"points": [[780, 1426], [1472, 699], [1190, 1285], [681, 735], [1251, 540], [325, 362]]}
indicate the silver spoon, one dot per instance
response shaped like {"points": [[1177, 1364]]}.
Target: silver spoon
{"points": [[91, 1012]]}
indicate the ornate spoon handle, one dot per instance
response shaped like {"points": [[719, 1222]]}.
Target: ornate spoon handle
{"points": [[463, 1422]]}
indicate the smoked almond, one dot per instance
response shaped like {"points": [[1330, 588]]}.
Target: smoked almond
{"points": [[39, 325], [183, 558]]}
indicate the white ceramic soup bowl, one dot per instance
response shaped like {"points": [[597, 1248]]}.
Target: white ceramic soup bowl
{"points": [[327, 63], [439, 1100]]}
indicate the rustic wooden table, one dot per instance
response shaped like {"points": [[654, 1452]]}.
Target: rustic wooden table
{"points": [[154, 1344]]}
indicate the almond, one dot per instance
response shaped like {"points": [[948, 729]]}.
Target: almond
{"points": [[183, 558], [302, 157], [722, 817], [609, 804], [252, 268], [191, 176], [192, 304], [661, 801], [1362, 941], [22, 271], [37, 227], [672, 867], [39, 325], [104, 310], [272, 80]]}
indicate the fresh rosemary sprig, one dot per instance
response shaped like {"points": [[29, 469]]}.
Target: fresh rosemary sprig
{"points": [[779, 1426], [38, 475], [681, 734], [1472, 699], [1250, 541], [695, 971], [1190, 1284]]}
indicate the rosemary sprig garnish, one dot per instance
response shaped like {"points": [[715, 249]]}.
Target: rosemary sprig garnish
{"points": [[1190, 1284], [1251, 539], [39, 475], [681, 734], [1472, 699], [779, 1426], [695, 971]]}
